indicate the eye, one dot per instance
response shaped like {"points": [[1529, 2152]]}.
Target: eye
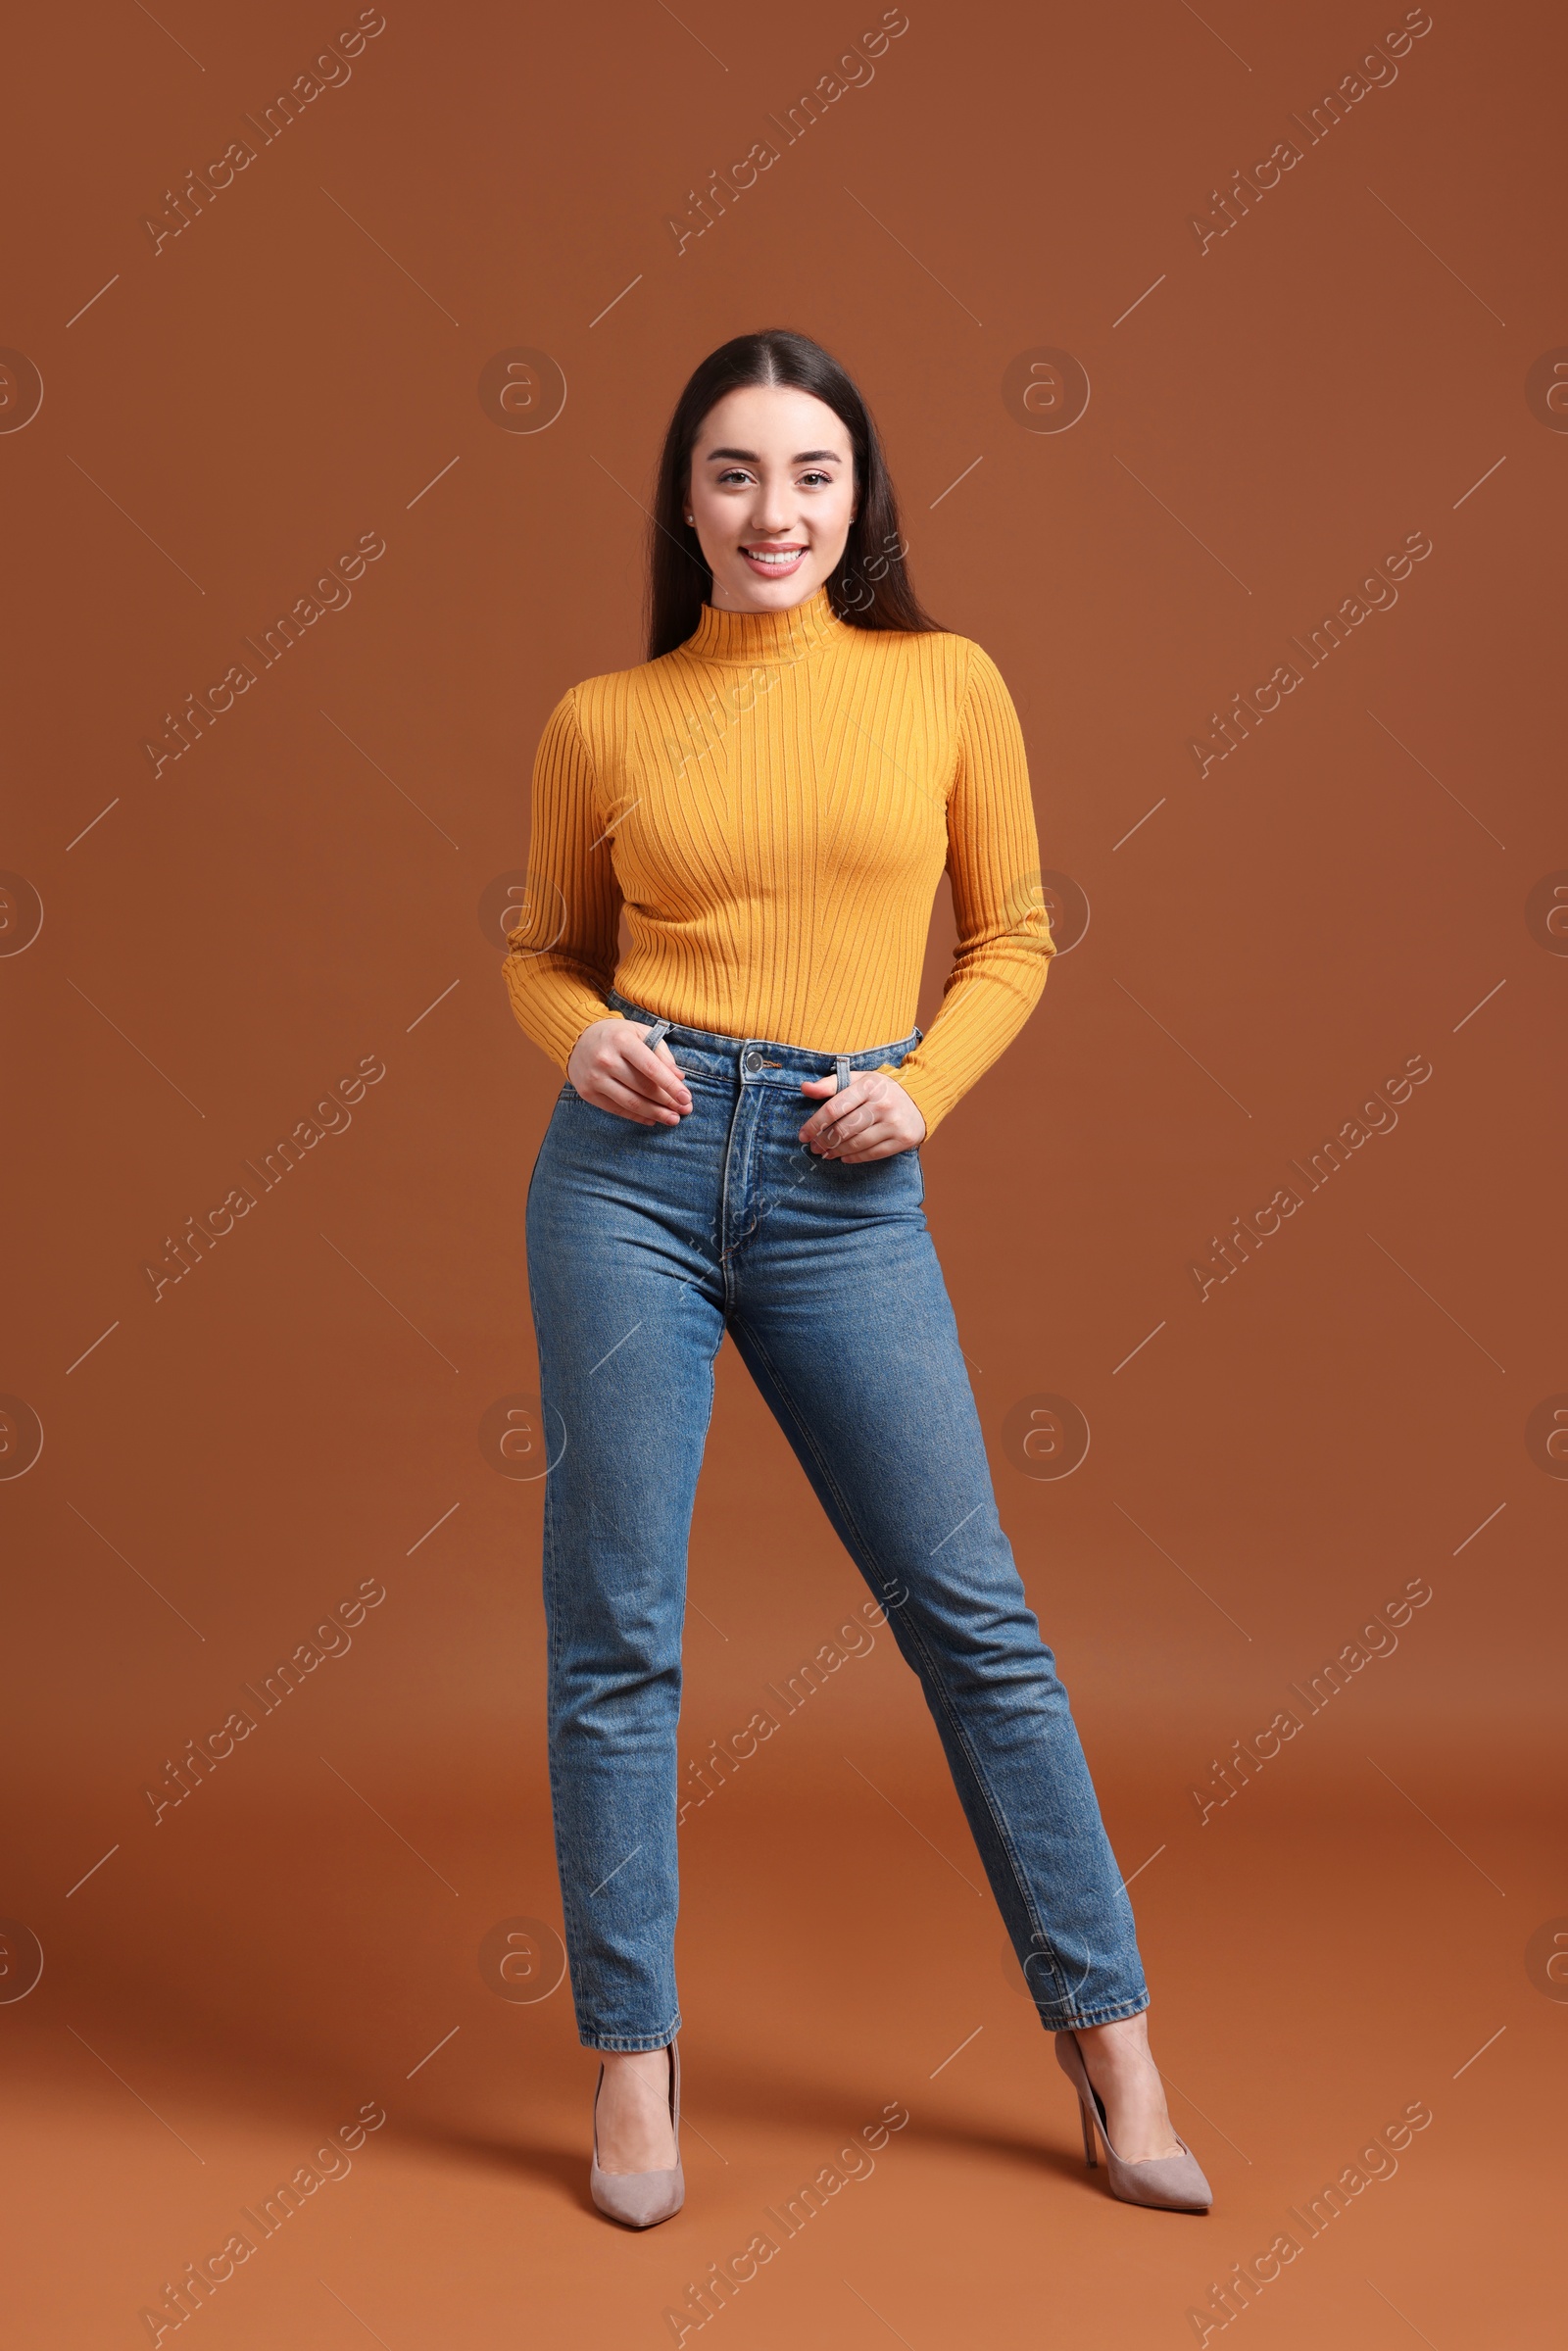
{"points": [[825, 479], [733, 473]]}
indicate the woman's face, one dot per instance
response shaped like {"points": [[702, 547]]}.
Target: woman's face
{"points": [[772, 473]]}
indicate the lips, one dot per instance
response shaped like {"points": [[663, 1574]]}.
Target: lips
{"points": [[778, 561]]}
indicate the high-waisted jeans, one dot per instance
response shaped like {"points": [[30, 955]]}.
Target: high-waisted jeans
{"points": [[645, 1245]]}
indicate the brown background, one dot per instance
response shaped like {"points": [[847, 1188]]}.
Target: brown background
{"points": [[219, 421]]}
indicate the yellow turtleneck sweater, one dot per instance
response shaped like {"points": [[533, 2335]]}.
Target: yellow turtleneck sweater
{"points": [[772, 805]]}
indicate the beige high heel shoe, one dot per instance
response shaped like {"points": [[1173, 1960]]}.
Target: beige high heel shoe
{"points": [[641, 2199], [1168, 2182]]}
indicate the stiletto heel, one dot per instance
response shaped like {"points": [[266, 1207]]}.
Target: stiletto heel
{"points": [[641, 2199], [1165, 2182]]}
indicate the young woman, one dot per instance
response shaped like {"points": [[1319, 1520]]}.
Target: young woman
{"points": [[771, 799]]}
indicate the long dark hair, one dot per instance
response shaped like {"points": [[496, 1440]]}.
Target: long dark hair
{"points": [[869, 587]]}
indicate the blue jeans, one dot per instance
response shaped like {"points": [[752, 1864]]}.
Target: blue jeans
{"points": [[645, 1246]]}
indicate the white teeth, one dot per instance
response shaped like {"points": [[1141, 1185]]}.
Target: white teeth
{"points": [[788, 556]]}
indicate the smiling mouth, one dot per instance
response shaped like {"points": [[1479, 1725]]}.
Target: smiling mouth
{"points": [[774, 558]]}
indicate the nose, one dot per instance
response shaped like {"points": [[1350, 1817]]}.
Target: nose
{"points": [[770, 519]]}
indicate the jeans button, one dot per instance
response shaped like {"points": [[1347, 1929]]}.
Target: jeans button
{"points": [[752, 1062]]}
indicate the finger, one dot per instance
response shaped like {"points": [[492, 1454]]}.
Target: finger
{"points": [[891, 1123], [844, 1114], [857, 1145], [637, 1079], [848, 1122], [641, 1071], [657, 1057], [844, 1145], [671, 1071], [883, 1132], [629, 1102], [836, 1106], [879, 1139]]}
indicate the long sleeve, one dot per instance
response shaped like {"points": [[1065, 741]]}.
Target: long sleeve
{"points": [[562, 957], [1004, 945]]}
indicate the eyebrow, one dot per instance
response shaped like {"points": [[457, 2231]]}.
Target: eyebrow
{"points": [[806, 457]]}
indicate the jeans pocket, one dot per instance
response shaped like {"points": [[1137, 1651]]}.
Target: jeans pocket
{"points": [[893, 1184]]}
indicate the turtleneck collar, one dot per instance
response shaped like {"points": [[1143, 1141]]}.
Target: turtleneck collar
{"points": [[747, 637]]}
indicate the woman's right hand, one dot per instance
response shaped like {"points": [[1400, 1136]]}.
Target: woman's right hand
{"points": [[612, 1068]]}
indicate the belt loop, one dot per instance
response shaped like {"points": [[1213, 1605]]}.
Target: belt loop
{"points": [[655, 1034], [842, 1069]]}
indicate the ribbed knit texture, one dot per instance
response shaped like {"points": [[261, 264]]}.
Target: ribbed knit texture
{"points": [[772, 805]]}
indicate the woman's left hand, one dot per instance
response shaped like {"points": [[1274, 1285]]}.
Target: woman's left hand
{"points": [[871, 1119]]}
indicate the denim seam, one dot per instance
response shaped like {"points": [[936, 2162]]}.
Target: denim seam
{"points": [[1112, 2015], [570, 1916], [932, 1678], [727, 1259], [1004, 1833], [628, 2043], [662, 2037]]}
